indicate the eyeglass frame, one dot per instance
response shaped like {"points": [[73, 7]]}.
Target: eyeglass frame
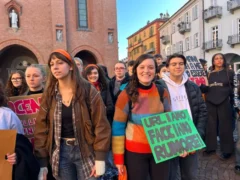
{"points": [[119, 68], [16, 79]]}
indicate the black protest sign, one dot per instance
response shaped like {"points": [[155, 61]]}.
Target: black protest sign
{"points": [[195, 71]]}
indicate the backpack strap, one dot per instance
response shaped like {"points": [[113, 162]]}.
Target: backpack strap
{"points": [[160, 89]]}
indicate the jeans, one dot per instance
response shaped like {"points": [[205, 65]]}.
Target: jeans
{"points": [[70, 163], [188, 167]]}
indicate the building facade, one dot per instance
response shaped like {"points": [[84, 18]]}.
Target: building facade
{"points": [[146, 39], [183, 32], [222, 30], [31, 30]]}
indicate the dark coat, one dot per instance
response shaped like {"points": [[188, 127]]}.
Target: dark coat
{"points": [[197, 105], [122, 86], [27, 166], [107, 99]]}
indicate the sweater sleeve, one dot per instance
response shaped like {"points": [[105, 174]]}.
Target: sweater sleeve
{"points": [[119, 127], [16, 123], [166, 101]]}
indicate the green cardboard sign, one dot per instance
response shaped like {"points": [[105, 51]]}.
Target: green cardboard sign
{"points": [[169, 134]]}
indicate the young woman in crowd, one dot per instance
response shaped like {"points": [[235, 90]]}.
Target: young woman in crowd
{"points": [[16, 84], [72, 131], [219, 95], [160, 70], [35, 77], [128, 136], [94, 74]]}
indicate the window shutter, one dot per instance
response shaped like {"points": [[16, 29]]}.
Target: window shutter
{"points": [[199, 39]]}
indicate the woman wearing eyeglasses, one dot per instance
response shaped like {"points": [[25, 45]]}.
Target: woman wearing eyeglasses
{"points": [[16, 84]]}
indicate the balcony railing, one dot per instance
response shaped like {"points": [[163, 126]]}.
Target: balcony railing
{"points": [[214, 44], [150, 50], [212, 12], [233, 5], [165, 39], [184, 27], [234, 39]]}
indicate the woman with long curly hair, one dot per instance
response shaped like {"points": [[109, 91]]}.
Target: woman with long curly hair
{"points": [[71, 131], [16, 84], [140, 99]]}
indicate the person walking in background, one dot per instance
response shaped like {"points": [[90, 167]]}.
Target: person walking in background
{"points": [[72, 130], [130, 67], [140, 99], [158, 58], [160, 71], [119, 81], [16, 84], [94, 74], [104, 68], [79, 64], [35, 77], [219, 96], [184, 94]]}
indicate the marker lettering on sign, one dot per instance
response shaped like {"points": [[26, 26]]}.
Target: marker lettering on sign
{"points": [[171, 148], [160, 134], [154, 120], [25, 106]]}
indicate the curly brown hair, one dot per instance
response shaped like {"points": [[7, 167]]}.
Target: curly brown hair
{"points": [[10, 88], [133, 84], [101, 79]]}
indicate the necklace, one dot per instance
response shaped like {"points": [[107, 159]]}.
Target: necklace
{"points": [[67, 102]]}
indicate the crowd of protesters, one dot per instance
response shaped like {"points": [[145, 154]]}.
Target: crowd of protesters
{"points": [[89, 125]]}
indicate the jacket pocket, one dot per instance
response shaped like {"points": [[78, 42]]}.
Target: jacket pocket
{"points": [[89, 134]]}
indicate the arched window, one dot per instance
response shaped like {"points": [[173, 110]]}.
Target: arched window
{"points": [[82, 14]]}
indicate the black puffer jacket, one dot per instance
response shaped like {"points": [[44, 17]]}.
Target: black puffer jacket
{"points": [[197, 105], [107, 99]]}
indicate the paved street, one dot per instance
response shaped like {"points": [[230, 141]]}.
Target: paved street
{"points": [[211, 168]]}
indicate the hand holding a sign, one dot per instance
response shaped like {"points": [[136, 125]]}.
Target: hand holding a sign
{"points": [[185, 154], [12, 158]]}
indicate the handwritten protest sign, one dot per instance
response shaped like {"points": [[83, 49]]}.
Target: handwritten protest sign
{"points": [[169, 134], [26, 108], [195, 71]]}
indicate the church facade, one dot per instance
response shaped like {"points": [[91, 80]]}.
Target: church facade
{"points": [[31, 30]]}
